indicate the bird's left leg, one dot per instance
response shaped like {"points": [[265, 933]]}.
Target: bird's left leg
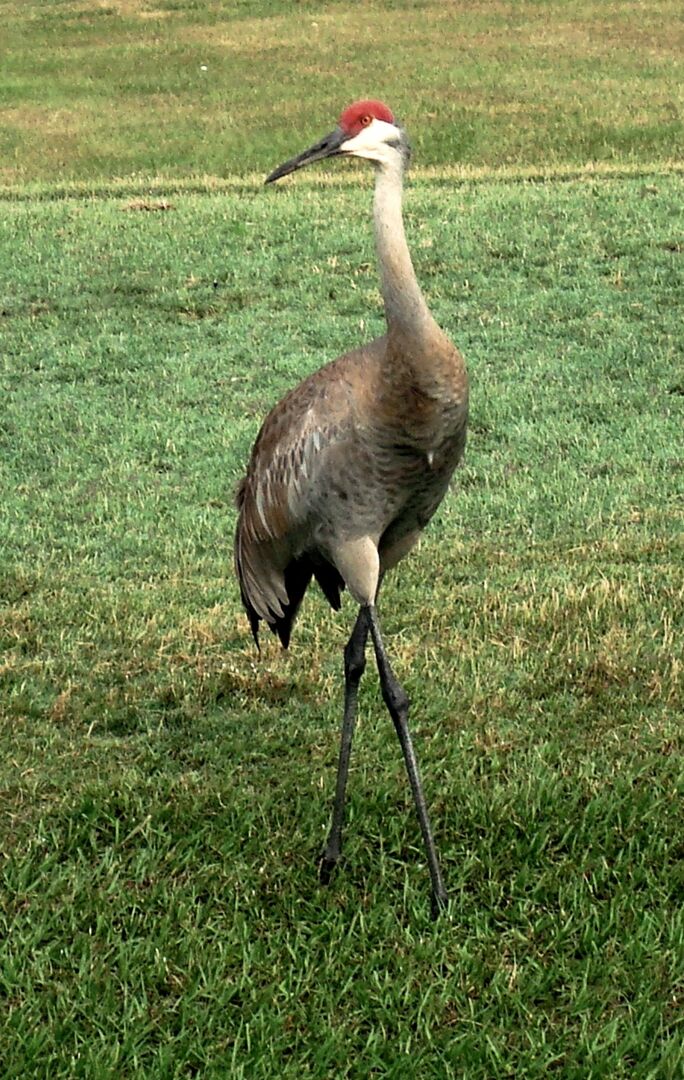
{"points": [[354, 664], [397, 702], [358, 562]]}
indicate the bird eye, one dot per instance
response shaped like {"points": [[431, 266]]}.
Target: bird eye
{"points": [[365, 121]]}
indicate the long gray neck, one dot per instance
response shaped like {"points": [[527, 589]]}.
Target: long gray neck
{"points": [[405, 308]]}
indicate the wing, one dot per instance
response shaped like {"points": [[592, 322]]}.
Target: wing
{"points": [[292, 462]]}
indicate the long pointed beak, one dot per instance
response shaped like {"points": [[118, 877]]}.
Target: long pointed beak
{"points": [[327, 147]]}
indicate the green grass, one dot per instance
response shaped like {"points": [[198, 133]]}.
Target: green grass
{"points": [[165, 791], [90, 90]]}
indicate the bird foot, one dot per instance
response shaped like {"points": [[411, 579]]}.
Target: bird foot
{"points": [[326, 865], [439, 902]]}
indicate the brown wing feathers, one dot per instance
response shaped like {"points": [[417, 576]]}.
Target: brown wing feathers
{"points": [[296, 576], [273, 570]]}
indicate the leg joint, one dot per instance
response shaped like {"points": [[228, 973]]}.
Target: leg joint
{"points": [[355, 649], [396, 700], [354, 658]]}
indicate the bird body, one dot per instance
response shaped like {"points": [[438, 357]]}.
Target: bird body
{"points": [[352, 463], [364, 447]]}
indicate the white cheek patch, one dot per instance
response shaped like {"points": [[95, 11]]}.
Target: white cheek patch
{"points": [[373, 141]]}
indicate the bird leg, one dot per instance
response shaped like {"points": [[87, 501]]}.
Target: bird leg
{"points": [[354, 664], [397, 702]]}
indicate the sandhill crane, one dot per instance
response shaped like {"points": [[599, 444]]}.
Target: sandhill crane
{"points": [[352, 463]]}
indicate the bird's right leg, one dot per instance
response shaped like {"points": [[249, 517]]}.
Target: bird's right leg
{"points": [[354, 664], [397, 702]]}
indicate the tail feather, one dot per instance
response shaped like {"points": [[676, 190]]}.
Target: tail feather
{"points": [[298, 574], [253, 617], [296, 579], [330, 581]]}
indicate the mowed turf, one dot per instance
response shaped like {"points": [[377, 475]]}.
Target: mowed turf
{"points": [[165, 791], [91, 89]]}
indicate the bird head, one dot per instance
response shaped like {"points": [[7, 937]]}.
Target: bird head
{"points": [[366, 129]]}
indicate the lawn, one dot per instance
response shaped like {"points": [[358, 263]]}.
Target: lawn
{"points": [[165, 790], [91, 89]]}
